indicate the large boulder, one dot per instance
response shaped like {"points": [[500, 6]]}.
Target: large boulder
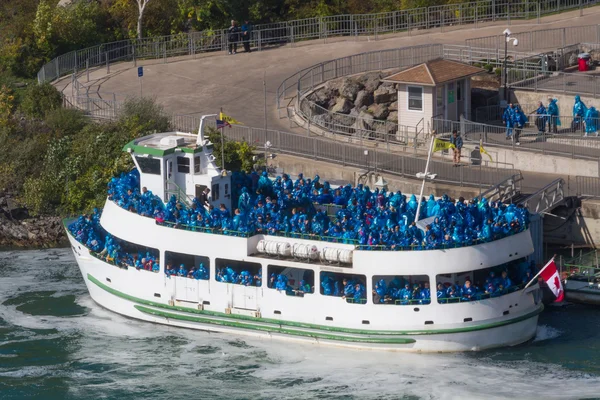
{"points": [[342, 105], [350, 88], [385, 94], [363, 98], [324, 97], [393, 116], [393, 106], [371, 81], [364, 122], [384, 129], [379, 111]]}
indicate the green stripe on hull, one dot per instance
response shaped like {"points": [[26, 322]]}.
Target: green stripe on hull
{"points": [[312, 326], [255, 327]]}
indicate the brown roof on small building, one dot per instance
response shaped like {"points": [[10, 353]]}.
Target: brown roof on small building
{"points": [[434, 72]]}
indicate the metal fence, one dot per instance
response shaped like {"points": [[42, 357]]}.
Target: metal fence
{"points": [[562, 144], [405, 21], [320, 149], [555, 82], [546, 39], [588, 186]]}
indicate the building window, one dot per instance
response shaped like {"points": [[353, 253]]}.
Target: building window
{"points": [[215, 192], [196, 165], [415, 98], [183, 165], [149, 165]]}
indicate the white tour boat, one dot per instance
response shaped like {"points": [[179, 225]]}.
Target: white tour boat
{"points": [[175, 161]]}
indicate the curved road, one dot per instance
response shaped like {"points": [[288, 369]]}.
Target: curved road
{"points": [[235, 83]]}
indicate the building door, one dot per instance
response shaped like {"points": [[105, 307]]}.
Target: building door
{"points": [[460, 99]]}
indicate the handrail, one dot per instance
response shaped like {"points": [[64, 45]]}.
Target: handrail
{"points": [[346, 25], [505, 190], [555, 189]]}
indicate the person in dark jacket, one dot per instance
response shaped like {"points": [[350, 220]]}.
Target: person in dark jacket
{"points": [[247, 35], [233, 37], [457, 141]]}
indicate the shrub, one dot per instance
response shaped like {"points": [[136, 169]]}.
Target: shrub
{"points": [[38, 100], [143, 115], [488, 68]]}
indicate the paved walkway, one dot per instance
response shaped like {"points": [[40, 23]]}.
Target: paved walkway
{"points": [[238, 83]]}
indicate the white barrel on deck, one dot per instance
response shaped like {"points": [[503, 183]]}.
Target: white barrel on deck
{"points": [[305, 251], [337, 255], [274, 248]]}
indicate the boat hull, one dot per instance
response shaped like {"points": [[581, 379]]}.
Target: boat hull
{"points": [[103, 291]]}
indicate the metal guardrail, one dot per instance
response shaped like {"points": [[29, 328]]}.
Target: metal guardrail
{"points": [[563, 144], [320, 149], [350, 26], [554, 82], [545, 198], [546, 39], [588, 186], [505, 190]]}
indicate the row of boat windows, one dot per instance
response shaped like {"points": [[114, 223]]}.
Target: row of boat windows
{"points": [[394, 290]]}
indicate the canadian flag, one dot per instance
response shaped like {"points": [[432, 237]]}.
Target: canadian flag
{"points": [[550, 274]]}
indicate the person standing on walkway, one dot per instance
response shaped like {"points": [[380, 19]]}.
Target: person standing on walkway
{"points": [[233, 37], [520, 121], [247, 35], [509, 119], [457, 141], [579, 111], [540, 118], [591, 121], [553, 116]]}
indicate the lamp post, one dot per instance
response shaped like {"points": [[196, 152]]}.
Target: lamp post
{"points": [[507, 38]]}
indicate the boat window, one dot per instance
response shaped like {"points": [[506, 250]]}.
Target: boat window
{"points": [[124, 254], [238, 272], [215, 192], [148, 165], [187, 265], [483, 283], [196, 165], [183, 165], [292, 281], [350, 287], [402, 290]]}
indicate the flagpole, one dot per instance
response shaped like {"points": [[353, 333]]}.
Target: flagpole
{"points": [[424, 177], [539, 273], [222, 145]]}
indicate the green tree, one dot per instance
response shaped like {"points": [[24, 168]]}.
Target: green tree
{"points": [[38, 100]]}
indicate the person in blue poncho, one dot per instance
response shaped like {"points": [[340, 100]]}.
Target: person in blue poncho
{"points": [[579, 110], [406, 295], [425, 294], [541, 117], [379, 292], [468, 291], [348, 288], [440, 293], [508, 118], [359, 293], [505, 280], [553, 116], [182, 271], [520, 119], [591, 121]]}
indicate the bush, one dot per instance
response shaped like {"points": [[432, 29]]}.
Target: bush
{"points": [[38, 100], [66, 122], [498, 71], [143, 115], [488, 68]]}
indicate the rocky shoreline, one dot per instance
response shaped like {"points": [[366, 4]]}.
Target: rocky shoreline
{"points": [[19, 230]]}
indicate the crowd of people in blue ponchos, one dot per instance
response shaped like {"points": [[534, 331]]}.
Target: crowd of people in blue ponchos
{"points": [[230, 274], [349, 287], [88, 231], [584, 118], [401, 291], [198, 273], [372, 219]]}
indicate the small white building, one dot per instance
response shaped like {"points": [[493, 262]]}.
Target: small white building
{"points": [[435, 89]]}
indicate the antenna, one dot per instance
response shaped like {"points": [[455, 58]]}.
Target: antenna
{"points": [[200, 139]]}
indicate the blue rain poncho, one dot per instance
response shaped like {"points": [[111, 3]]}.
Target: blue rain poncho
{"points": [[591, 121], [579, 108], [553, 111]]}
